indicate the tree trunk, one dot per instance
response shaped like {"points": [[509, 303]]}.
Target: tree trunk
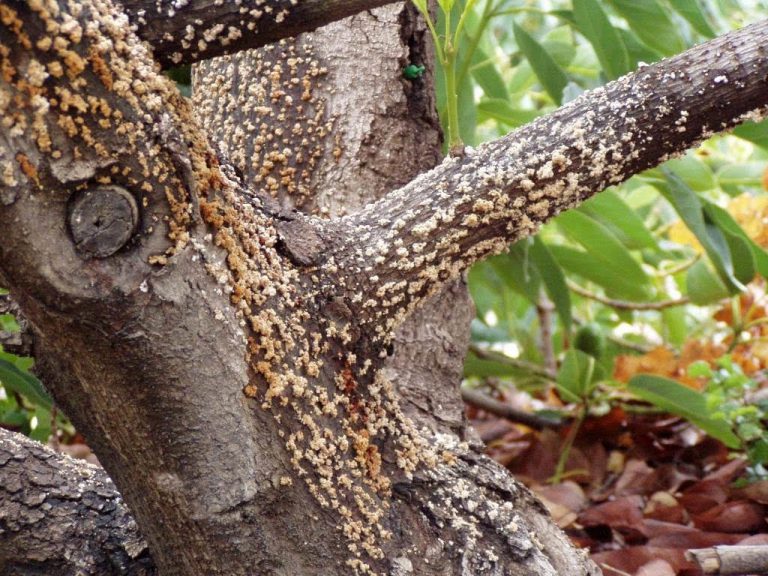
{"points": [[227, 353]]}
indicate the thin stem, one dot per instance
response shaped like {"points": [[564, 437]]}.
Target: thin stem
{"points": [[520, 364], [452, 99], [474, 41], [523, 9], [738, 322], [679, 268], [544, 311], [626, 305], [491, 405], [460, 26], [562, 460]]}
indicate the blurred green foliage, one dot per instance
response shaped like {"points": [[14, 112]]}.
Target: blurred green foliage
{"points": [[640, 266]]}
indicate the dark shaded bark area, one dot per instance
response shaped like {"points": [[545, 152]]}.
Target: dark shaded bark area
{"points": [[62, 516], [186, 32]]}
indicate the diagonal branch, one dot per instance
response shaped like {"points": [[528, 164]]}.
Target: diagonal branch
{"points": [[187, 32], [63, 516], [411, 242]]}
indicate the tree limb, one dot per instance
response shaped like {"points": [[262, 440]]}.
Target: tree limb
{"points": [[187, 32], [731, 560], [63, 516], [408, 244]]}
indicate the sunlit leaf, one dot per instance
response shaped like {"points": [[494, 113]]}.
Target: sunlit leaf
{"points": [[690, 208], [611, 278], [673, 397], [704, 285], [609, 47], [553, 279], [612, 212], [601, 244], [692, 12], [549, 73], [652, 25], [501, 111]]}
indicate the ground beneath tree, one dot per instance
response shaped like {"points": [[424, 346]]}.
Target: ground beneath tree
{"points": [[640, 489]]}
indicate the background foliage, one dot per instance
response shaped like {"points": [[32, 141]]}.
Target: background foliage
{"points": [[612, 302]]}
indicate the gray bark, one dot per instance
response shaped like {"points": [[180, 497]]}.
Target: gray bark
{"points": [[190, 31], [226, 370], [62, 516]]}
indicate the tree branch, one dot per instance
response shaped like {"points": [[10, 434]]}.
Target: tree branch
{"points": [[408, 244], [187, 32], [63, 516]]}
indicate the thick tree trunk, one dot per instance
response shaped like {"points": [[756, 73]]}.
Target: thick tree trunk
{"points": [[228, 353]]}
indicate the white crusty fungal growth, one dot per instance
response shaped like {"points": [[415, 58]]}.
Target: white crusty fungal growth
{"points": [[415, 239], [186, 31], [275, 129], [83, 106]]}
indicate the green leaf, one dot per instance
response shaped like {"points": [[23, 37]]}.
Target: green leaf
{"points": [[8, 323], [690, 209], [487, 76], [485, 287], [446, 5], [704, 286], [549, 73], [23, 383], [637, 51], [611, 211], [467, 111], [694, 172], [516, 270], [575, 377], [674, 326], [652, 25], [755, 132], [501, 111], [554, 280], [735, 178], [609, 47], [611, 278], [601, 244], [726, 222], [683, 401], [692, 12]]}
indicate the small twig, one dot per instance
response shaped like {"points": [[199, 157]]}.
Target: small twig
{"points": [[55, 429], [626, 305], [485, 402], [544, 310], [731, 560], [605, 566], [520, 364], [683, 266]]}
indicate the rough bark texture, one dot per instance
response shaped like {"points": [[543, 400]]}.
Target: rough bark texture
{"points": [[190, 31], [366, 131], [62, 516], [506, 189], [229, 357]]}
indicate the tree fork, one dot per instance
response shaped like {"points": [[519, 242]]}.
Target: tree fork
{"points": [[205, 303]]}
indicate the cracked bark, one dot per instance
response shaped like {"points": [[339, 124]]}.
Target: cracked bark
{"points": [[62, 516], [187, 32], [229, 376]]}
